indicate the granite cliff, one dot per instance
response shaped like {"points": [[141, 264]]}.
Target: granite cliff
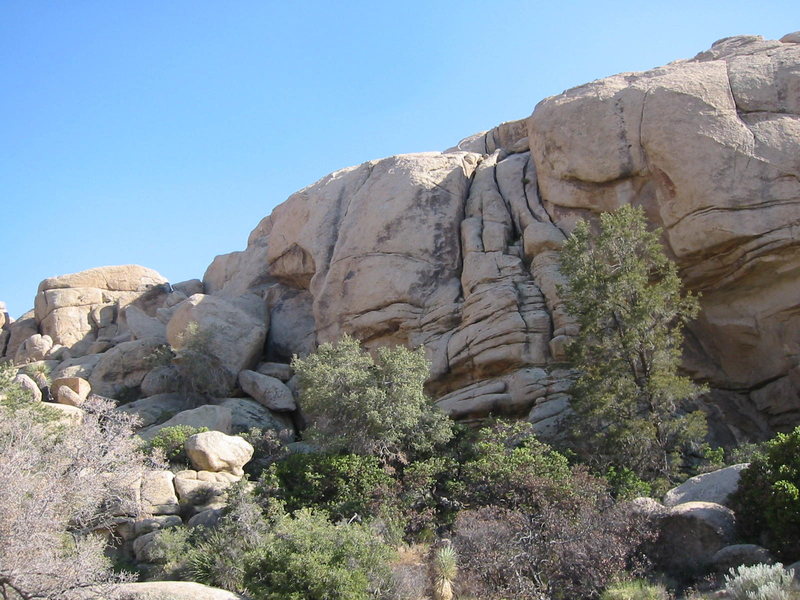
{"points": [[458, 251]]}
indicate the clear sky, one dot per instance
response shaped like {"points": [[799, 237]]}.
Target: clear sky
{"points": [[160, 133]]}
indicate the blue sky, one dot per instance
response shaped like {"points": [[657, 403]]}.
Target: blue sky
{"points": [[160, 133]]}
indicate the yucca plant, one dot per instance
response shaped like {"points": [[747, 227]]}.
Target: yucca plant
{"points": [[445, 569]]}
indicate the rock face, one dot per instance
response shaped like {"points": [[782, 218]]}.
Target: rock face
{"points": [[458, 251]]}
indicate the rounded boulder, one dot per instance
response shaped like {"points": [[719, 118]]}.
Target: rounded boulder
{"points": [[216, 451]]}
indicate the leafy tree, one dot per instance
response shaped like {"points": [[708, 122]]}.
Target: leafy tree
{"points": [[629, 400], [369, 405]]}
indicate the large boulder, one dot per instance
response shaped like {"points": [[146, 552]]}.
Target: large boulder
{"points": [[154, 410], [123, 367], [234, 330], [709, 147], [215, 418], [690, 535], [173, 590], [214, 451], [715, 487], [247, 414]]}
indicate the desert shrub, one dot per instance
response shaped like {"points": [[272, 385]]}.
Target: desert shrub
{"points": [[511, 468], [759, 582], [428, 494], [171, 441], [268, 447], [766, 502], [306, 557], [12, 395], [369, 405], [341, 485], [637, 589], [58, 484], [568, 549], [216, 557], [626, 485]]}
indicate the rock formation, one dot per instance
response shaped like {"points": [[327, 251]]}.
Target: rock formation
{"points": [[458, 251]]}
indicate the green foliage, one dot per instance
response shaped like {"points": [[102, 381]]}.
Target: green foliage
{"points": [[268, 447], [171, 441], [638, 589], [511, 468], [340, 485], [626, 485], [630, 404], [216, 559], [759, 582], [767, 502], [369, 405], [14, 397], [305, 557]]}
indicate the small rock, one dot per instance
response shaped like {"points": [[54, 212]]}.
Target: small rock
{"points": [[158, 493], [206, 518], [79, 386], [280, 371], [155, 523]]}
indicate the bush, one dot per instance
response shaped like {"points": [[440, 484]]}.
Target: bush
{"points": [[171, 441], [341, 485], [759, 582], [58, 484], [216, 558], [268, 447], [565, 550], [369, 406], [767, 500], [306, 557], [511, 468], [638, 589]]}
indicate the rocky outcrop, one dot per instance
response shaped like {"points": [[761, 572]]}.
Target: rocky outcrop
{"points": [[458, 252]]}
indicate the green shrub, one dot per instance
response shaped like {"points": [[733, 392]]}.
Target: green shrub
{"points": [[626, 485], [767, 502], [759, 582], [638, 589], [340, 485], [511, 468], [306, 557], [171, 441], [268, 447], [369, 405], [216, 557]]}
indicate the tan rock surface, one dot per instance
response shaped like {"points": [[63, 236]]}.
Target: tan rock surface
{"points": [[236, 328]]}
